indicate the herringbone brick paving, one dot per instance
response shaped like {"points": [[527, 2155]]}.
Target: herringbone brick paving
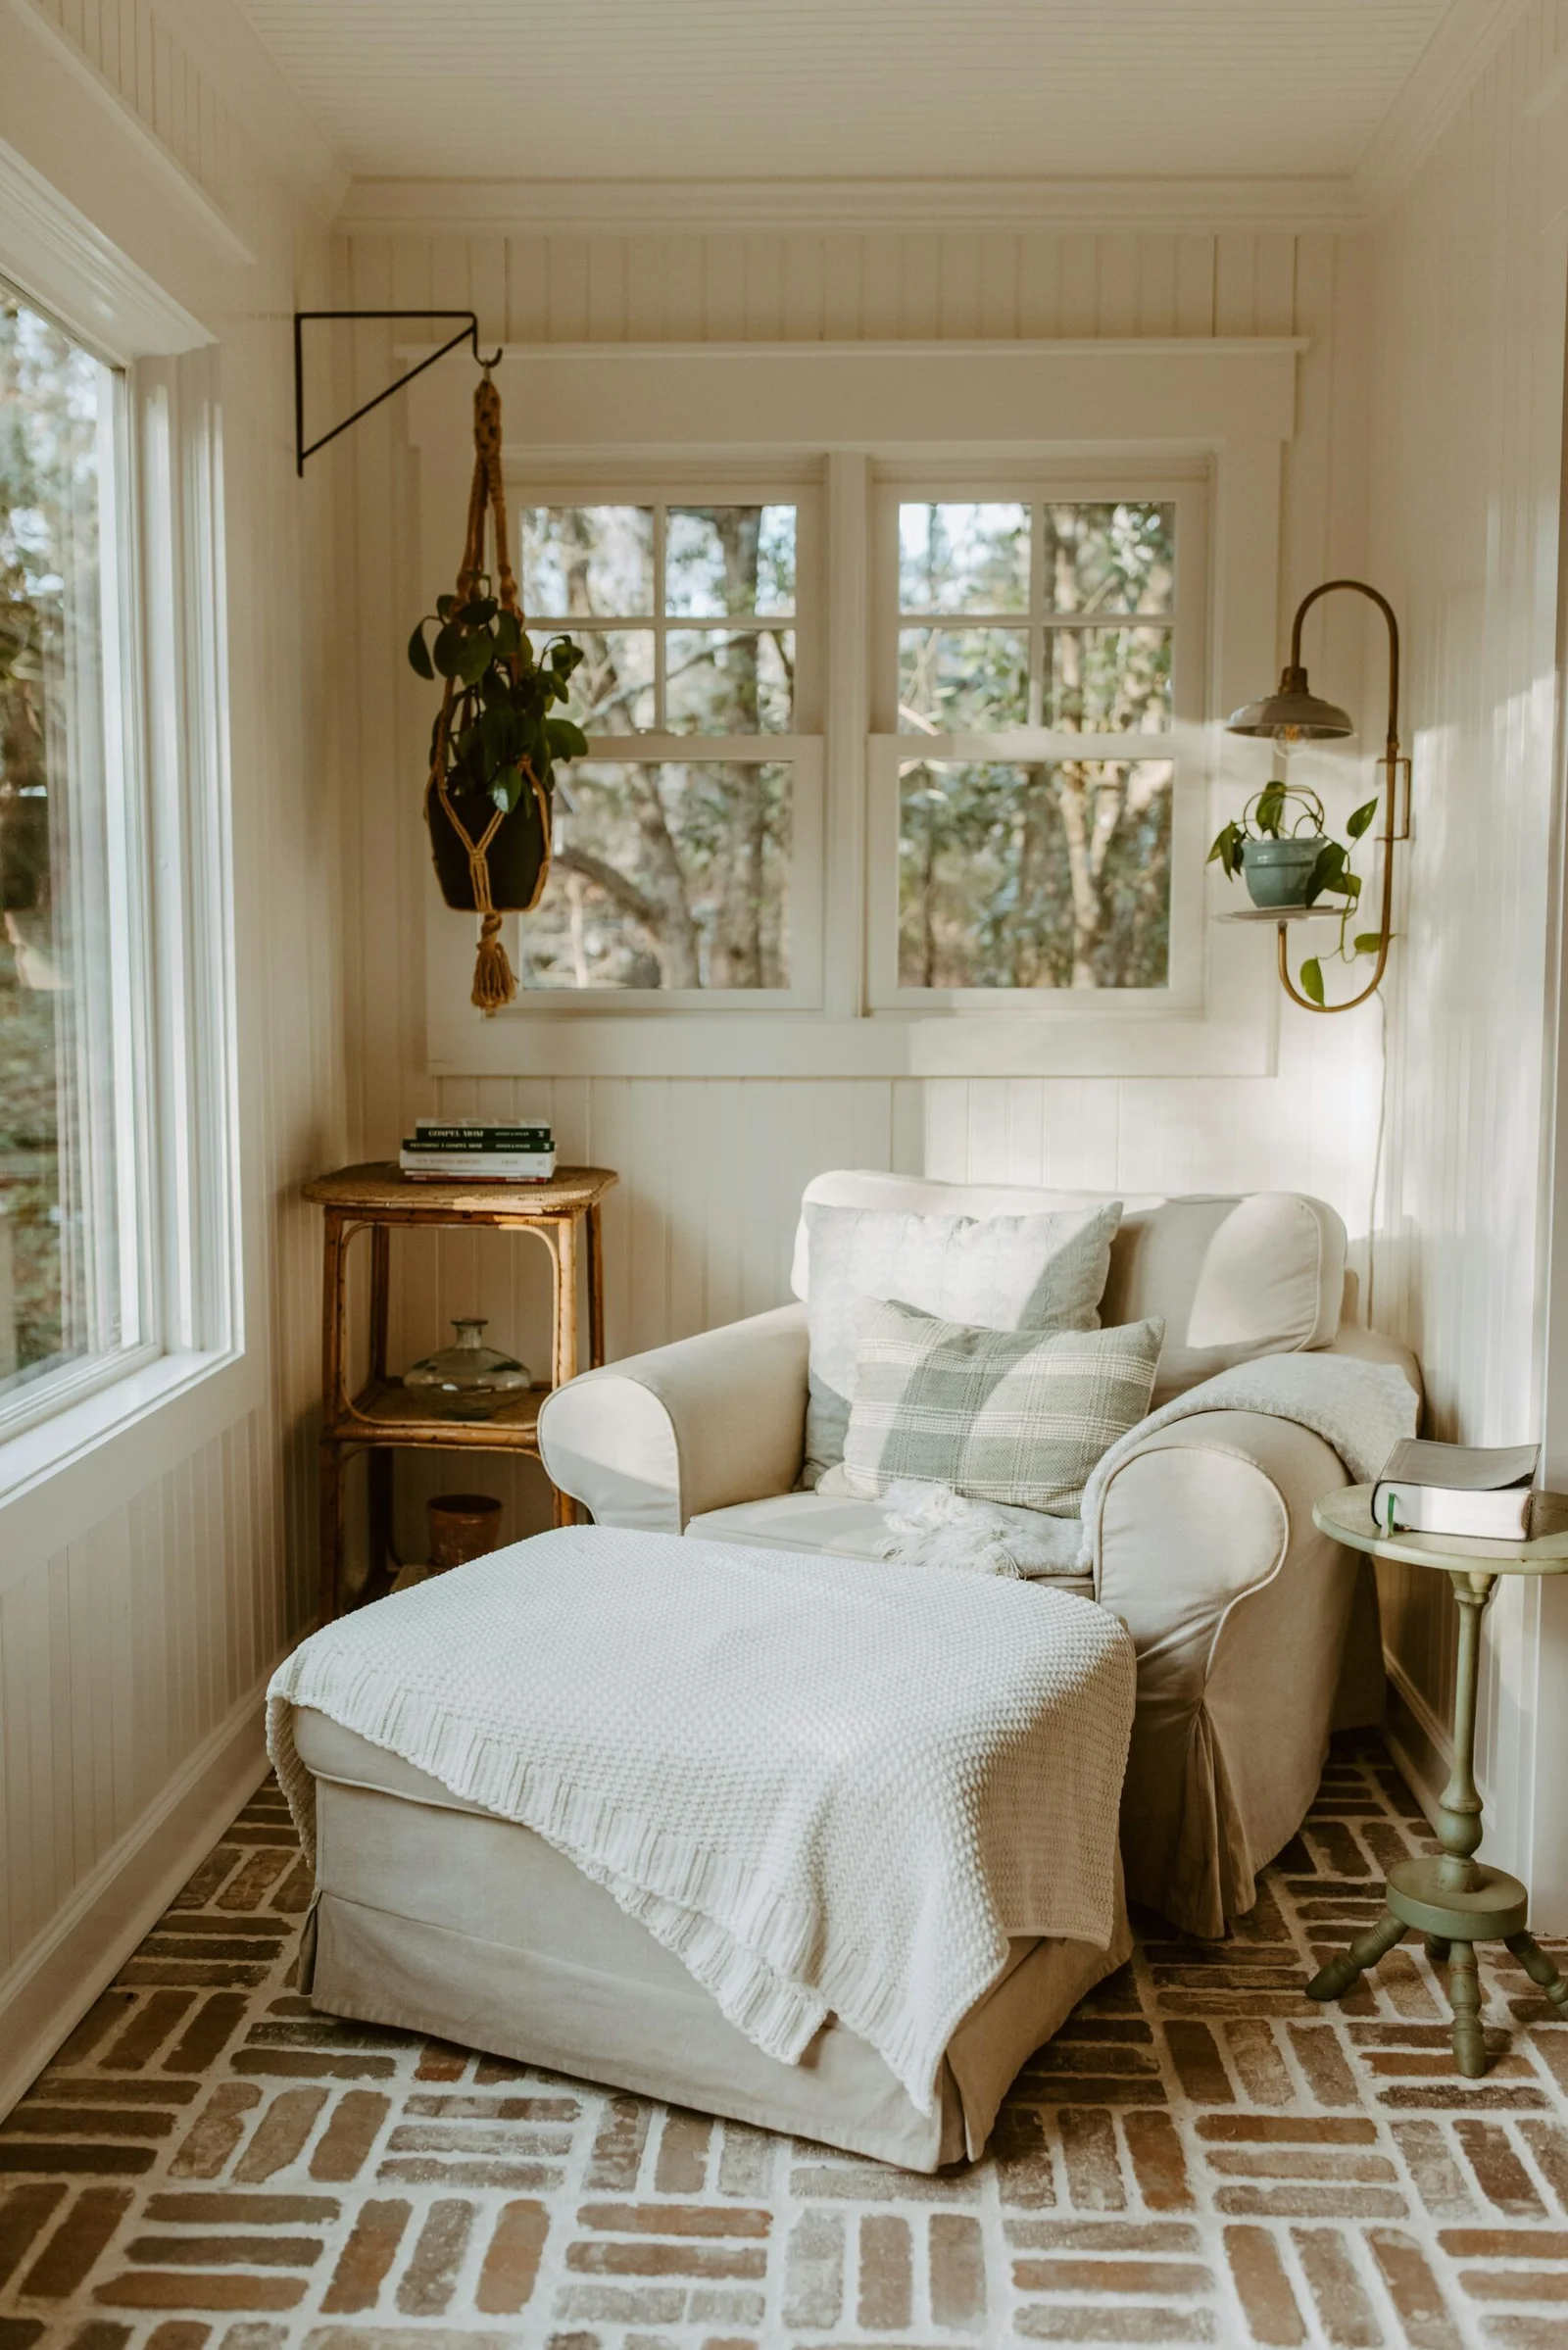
{"points": [[1200, 2156]]}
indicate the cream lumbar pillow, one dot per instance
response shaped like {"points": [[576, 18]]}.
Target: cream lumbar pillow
{"points": [[1016, 1417], [1035, 1272]]}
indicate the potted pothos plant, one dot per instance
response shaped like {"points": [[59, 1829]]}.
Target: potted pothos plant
{"points": [[494, 744], [1280, 847]]}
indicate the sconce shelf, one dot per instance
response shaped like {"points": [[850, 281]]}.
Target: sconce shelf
{"points": [[1283, 914]]}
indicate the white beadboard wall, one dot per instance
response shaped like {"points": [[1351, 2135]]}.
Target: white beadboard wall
{"points": [[1466, 481], [711, 1171], [144, 1594]]}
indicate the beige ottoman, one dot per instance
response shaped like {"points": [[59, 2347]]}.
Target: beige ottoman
{"points": [[439, 1917]]}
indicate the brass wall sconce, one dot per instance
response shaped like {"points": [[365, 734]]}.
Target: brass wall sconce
{"points": [[1295, 715]]}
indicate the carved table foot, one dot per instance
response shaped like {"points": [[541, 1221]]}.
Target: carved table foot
{"points": [[1539, 1969], [1333, 1981]]}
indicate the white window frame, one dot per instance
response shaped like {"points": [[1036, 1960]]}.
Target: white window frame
{"points": [[800, 750], [170, 871], [1180, 746], [688, 418]]}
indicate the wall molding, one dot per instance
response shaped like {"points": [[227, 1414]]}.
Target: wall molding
{"points": [[55, 253], [232, 56], [1467, 38], [127, 126], [848, 207], [49, 1990]]}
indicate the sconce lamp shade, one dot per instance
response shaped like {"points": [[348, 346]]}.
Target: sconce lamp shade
{"points": [[1291, 715]]}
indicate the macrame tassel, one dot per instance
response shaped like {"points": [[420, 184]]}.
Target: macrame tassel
{"points": [[493, 981]]}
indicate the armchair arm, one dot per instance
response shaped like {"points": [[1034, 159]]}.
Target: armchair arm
{"points": [[1240, 1610], [710, 1421]]}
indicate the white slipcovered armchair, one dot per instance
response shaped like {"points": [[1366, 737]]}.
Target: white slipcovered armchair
{"points": [[1256, 1635]]}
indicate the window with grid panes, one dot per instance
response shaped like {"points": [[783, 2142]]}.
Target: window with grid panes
{"points": [[1035, 662], [675, 838]]}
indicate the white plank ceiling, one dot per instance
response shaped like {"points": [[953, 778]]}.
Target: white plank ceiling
{"points": [[695, 89]]}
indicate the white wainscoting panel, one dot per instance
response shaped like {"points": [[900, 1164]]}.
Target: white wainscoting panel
{"points": [[137, 1624], [1466, 477]]}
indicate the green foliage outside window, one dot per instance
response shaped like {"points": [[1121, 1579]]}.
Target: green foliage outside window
{"points": [[49, 392], [1058, 615], [672, 873]]}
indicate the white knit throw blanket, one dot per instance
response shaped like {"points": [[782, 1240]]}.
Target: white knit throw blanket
{"points": [[1361, 1408], [828, 1787]]}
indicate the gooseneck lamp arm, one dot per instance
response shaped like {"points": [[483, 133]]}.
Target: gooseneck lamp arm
{"points": [[1295, 715]]}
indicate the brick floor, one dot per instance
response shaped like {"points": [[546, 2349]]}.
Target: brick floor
{"points": [[1200, 2156]]}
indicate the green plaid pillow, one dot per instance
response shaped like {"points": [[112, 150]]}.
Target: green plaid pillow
{"points": [[1016, 1416]]}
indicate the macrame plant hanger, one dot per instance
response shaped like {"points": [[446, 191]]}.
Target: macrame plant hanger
{"points": [[494, 983]]}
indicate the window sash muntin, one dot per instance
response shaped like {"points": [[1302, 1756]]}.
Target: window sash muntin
{"points": [[803, 755], [800, 749], [680, 488], [1036, 621], [1180, 746]]}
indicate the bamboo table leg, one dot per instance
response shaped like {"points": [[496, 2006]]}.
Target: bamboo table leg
{"points": [[1456, 1900], [596, 1288], [564, 1360], [333, 1308], [380, 1296]]}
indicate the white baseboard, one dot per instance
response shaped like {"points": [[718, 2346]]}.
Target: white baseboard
{"points": [[57, 1979], [1417, 1741]]}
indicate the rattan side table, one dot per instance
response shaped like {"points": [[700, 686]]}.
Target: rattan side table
{"points": [[1455, 1902], [385, 1414]]}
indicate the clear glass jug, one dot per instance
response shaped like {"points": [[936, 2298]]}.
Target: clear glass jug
{"points": [[468, 1380]]}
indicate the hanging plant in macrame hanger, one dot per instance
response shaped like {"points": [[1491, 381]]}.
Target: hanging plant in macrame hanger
{"points": [[489, 797]]}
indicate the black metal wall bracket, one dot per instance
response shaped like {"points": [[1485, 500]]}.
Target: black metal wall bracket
{"points": [[467, 333]]}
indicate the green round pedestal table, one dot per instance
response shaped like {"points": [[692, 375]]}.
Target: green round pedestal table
{"points": [[1454, 1900]]}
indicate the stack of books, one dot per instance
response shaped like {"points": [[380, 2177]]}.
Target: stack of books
{"points": [[439, 1151], [1467, 1491]]}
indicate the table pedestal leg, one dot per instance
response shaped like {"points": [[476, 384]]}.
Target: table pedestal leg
{"points": [[1335, 1979], [1454, 1900], [1464, 1990], [1539, 1969]]}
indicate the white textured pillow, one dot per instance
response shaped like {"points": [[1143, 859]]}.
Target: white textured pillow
{"points": [[1039, 1272]]}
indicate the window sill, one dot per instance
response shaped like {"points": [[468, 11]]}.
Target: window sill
{"points": [[108, 1436]]}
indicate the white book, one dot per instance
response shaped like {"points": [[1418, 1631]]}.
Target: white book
{"points": [[1467, 1492], [478, 1166]]}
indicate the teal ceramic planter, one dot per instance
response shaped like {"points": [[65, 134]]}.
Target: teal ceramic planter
{"points": [[1277, 872]]}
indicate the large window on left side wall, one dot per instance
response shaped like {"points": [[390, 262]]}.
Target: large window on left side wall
{"points": [[75, 1271]]}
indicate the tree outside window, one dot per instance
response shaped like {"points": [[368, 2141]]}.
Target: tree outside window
{"points": [[670, 872]]}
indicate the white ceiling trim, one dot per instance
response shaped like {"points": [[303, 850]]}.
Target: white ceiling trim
{"points": [[848, 207], [125, 124], [230, 53], [1466, 42]]}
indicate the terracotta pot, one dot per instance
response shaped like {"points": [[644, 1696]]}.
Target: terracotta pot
{"points": [[515, 854], [462, 1526]]}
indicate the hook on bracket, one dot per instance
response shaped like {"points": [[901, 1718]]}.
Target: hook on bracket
{"points": [[467, 333]]}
